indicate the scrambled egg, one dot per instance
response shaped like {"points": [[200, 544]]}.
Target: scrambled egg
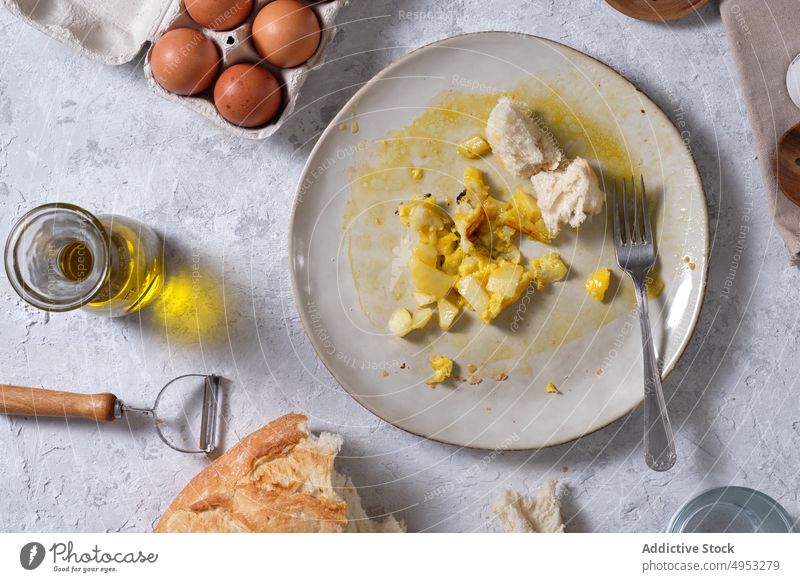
{"points": [[442, 369], [471, 260], [597, 284], [548, 269], [552, 389]]}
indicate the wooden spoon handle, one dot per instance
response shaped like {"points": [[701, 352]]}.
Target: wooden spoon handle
{"points": [[41, 402]]}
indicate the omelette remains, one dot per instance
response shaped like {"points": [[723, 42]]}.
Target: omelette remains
{"points": [[470, 259], [466, 254]]}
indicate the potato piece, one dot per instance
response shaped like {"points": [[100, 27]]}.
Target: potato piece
{"points": [[477, 298], [523, 214], [474, 147], [476, 189], [421, 317], [467, 221], [447, 313], [499, 301], [400, 323], [427, 218], [430, 280], [424, 299], [425, 253], [470, 214], [505, 280], [527, 205], [422, 214]]}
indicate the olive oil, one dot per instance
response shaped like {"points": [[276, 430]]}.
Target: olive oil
{"points": [[136, 273], [75, 261]]}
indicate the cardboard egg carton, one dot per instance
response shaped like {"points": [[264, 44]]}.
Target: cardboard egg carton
{"points": [[114, 32]]}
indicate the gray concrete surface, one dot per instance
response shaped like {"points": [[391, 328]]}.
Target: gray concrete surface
{"points": [[71, 129]]}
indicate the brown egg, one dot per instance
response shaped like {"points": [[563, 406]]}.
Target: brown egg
{"points": [[286, 33], [247, 95], [219, 14], [184, 61]]}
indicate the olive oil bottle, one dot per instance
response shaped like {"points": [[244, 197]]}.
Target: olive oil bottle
{"points": [[60, 257]]}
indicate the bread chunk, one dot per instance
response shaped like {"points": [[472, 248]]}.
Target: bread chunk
{"points": [[523, 146], [568, 195], [280, 478], [520, 514]]}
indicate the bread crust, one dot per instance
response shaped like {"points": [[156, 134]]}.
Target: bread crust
{"points": [[277, 479]]}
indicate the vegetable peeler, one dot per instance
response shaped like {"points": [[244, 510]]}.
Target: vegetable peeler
{"points": [[19, 400]]}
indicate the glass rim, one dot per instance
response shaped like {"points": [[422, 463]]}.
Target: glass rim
{"points": [[680, 517], [12, 268]]}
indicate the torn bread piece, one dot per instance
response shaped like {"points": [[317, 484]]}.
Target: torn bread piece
{"points": [[523, 146], [278, 479], [520, 514], [357, 519], [568, 195]]}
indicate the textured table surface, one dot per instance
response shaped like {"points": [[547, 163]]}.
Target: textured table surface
{"points": [[71, 129]]}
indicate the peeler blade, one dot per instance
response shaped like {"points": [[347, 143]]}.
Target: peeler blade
{"points": [[208, 422]]}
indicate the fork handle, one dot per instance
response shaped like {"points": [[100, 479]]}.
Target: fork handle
{"points": [[659, 443]]}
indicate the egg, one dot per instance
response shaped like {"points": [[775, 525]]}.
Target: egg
{"points": [[219, 14], [184, 61], [286, 33], [247, 95]]}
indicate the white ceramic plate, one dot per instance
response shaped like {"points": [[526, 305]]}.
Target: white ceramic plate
{"points": [[347, 265]]}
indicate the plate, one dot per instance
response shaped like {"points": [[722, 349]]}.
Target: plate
{"points": [[347, 251]]}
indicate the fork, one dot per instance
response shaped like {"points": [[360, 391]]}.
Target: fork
{"points": [[636, 255]]}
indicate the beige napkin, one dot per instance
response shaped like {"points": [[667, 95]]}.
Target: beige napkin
{"points": [[764, 36]]}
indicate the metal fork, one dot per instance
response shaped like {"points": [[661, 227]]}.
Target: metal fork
{"points": [[636, 255]]}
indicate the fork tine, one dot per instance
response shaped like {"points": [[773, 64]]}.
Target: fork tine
{"points": [[648, 232], [636, 232], [625, 212], [615, 216]]}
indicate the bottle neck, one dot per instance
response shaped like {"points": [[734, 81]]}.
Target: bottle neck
{"points": [[57, 257]]}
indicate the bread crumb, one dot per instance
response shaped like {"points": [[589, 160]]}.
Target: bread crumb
{"points": [[551, 389], [474, 380], [403, 366], [692, 266], [598, 371], [686, 259], [502, 376], [488, 409], [384, 373], [472, 368]]}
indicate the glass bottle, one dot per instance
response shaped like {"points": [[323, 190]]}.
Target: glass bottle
{"points": [[60, 257]]}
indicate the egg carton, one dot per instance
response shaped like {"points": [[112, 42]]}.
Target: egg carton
{"points": [[114, 32]]}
